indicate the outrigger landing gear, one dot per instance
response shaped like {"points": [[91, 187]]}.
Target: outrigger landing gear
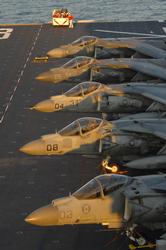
{"points": [[135, 236], [149, 245]]}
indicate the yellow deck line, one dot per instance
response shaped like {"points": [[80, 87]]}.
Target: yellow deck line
{"points": [[36, 24], [86, 21], [19, 24]]}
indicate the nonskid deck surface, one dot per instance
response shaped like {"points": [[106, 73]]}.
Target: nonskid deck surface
{"points": [[27, 183]]}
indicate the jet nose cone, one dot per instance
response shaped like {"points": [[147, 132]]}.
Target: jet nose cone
{"points": [[46, 77], [33, 148], [44, 106], [56, 53], [45, 216]]}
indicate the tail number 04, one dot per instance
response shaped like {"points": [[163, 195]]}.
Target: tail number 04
{"points": [[52, 147], [59, 106], [5, 33]]}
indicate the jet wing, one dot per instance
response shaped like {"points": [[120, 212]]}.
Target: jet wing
{"points": [[156, 127], [148, 115], [150, 50], [136, 45], [151, 67], [161, 187], [148, 68], [156, 93]]}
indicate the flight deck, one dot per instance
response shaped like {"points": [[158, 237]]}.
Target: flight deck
{"points": [[27, 182]]}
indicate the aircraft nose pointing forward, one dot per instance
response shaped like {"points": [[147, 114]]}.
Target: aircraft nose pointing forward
{"points": [[46, 76], [44, 106], [57, 53], [33, 148], [45, 216]]}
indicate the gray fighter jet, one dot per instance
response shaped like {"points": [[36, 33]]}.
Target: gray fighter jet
{"points": [[108, 48], [74, 137], [73, 97], [107, 70], [96, 97], [115, 201]]}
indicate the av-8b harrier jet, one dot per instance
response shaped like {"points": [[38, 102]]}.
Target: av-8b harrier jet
{"points": [[120, 202], [108, 48], [84, 131], [138, 141], [73, 97], [114, 99], [108, 70]]}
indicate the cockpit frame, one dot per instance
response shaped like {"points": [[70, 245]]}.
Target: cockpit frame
{"points": [[83, 89], [81, 127], [78, 62], [84, 41], [101, 186]]}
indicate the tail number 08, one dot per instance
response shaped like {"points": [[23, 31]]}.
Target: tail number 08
{"points": [[52, 147]]}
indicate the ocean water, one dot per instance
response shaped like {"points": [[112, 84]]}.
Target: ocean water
{"points": [[28, 11]]}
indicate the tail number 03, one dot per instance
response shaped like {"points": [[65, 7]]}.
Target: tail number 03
{"points": [[5, 33], [52, 147]]}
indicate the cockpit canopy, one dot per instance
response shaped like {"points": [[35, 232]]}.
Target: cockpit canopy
{"points": [[81, 126], [83, 89], [84, 41], [102, 184], [78, 62]]}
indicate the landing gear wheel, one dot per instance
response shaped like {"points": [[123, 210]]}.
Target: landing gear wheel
{"points": [[135, 236], [109, 167], [114, 169]]}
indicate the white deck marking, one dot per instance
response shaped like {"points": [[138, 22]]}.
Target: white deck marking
{"points": [[31, 182], [2, 177], [15, 88], [19, 232], [164, 28], [18, 132], [28, 197], [5, 33], [20, 76], [11, 98], [63, 175], [22, 72], [34, 169], [130, 33], [14, 142]]}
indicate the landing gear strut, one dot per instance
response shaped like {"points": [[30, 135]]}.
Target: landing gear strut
{"points": [[110, 166], [135, 236]]}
